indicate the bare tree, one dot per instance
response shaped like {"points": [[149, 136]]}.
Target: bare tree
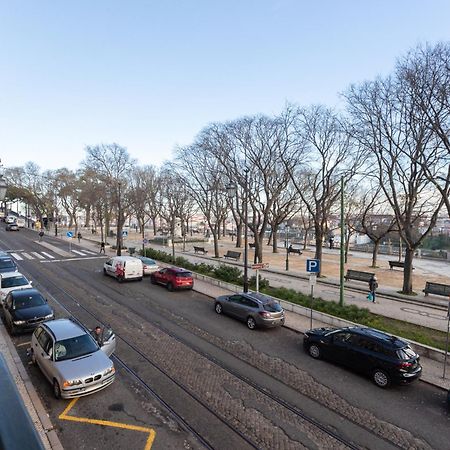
{"points": [[396, 136]]}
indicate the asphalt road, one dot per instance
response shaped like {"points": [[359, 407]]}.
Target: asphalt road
{"points": [[212, 371]]}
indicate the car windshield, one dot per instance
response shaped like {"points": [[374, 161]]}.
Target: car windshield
{"points": [[75, 347], [148, 261], [272, 307], [5, 263], [14, 281], [184, 275], [28, 301], [406, 353]]}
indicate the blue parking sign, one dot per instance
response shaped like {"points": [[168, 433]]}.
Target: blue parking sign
{"points": [[69, 234], [313, 265]]}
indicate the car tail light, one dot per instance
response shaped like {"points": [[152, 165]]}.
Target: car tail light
{"points": [[405, 365], [264, 314]]}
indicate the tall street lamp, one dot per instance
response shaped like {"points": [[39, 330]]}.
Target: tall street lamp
{"points": [[286, 228], [232, 191], [119, 221]]}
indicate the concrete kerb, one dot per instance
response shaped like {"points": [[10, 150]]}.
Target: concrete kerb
{"points": [[28, 393], [423, 350]]}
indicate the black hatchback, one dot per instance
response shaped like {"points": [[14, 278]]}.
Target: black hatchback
{"points": [[383, 357], [25, 309]]}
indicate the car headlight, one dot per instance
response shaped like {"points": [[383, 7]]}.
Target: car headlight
{"points": [[19, 322], [109, 371], [49, 316], [72, 383]]}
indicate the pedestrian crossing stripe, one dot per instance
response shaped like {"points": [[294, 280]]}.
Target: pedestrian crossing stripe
{"points": [[44, 255]]}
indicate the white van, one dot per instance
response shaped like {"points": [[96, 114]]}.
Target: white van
{"points": [[124, 268], [20, 222]]}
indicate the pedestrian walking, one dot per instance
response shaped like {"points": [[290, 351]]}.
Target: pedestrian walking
{"points": [[373, 285], [41, 235], [102, 247], [79, 237], [331, 241]]}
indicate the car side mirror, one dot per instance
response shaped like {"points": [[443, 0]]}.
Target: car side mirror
{"points": [[31, 282]]}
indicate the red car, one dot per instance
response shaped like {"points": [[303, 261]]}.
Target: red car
{"points": [[173, 278]]}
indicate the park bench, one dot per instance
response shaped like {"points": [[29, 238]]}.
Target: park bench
{"points": [[357, 275], [294, 250], [233, 255], [437, 289], [401, 264], [252, 245], [200, 250]]}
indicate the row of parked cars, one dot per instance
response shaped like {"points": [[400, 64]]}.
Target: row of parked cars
{"points": [[74, 359]]}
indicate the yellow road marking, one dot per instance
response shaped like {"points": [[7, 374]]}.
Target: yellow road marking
{"points": [[107, 423], [23, 343]]}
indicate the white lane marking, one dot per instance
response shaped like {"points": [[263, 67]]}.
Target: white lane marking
{"points": [[16, 256], [23, 344], [48, 255], [89, 252], [38, 255], [27, 255], [76, 259], [77, 252]]}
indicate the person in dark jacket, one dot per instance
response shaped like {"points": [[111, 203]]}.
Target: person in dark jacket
{"points": [[373, 285]]}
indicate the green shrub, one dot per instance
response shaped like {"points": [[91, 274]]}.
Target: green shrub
{"points": [[263, 283], [230, 274]]}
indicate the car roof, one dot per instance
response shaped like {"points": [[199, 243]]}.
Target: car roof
{"points": [[5, 258], [64, 328], [261, 298], [24, 292], [388, 339], [178, 269], [145, 258], [11, 274], [125, 258]]}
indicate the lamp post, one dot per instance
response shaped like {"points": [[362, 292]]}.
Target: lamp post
{"points": [[119, 221], [287, 246], [232, 191]]}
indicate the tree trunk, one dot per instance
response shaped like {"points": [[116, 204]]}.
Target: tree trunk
{"points": [[215, 232], [347, 246], [319, 241], [88, 216], [239, 228], [275, 240], [376, 247], [269, 241], [407, 271]]}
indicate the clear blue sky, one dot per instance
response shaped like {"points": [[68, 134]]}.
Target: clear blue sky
{"points": [[151, 74]]}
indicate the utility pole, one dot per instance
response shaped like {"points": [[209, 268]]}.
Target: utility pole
{"points": [[341, 271]]}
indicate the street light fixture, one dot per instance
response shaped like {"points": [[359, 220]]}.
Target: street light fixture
{"points": [[231, 189], [286, 229]]}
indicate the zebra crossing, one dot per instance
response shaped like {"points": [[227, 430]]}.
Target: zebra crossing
{"points": [[46, 256]]}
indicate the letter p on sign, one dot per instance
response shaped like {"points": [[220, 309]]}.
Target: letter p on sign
{"points": [[313, 265]]}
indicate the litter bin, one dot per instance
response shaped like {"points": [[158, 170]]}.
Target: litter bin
{"points": [[131, 250]]}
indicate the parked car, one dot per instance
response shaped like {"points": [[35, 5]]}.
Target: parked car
{"points": [[123, 268], [257, 310], [20, 222], [10, 219], [383, 357], [10, 281], [25, 309], [173, 278], [149, 265], [71, 359], [7, 264], [12, 227]]}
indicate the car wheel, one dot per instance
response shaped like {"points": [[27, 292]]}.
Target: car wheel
{"points": [[33, 357], [314, 351], [218, 308], [251, 323], [152, 280], [381, 378], [12, 330], [56, 389], [120, 279], [170, 287], [104, 272]]}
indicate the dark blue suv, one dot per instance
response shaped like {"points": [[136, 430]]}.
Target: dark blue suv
{"points": [[383, 357]]}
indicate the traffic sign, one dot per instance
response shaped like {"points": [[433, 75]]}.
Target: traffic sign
{"points": [[124, 233], [313, 265], [69, 234], [259, 266]]}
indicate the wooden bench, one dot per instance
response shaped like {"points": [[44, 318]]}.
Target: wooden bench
{"points": [[357, 275], [252, 245], [294, 250], [437, 289], [200, 250], [401, 264], [233, 255]]}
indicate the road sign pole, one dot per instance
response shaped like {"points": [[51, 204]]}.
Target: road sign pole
{"points": [[312, 282], [446, 341], [257, 280]]}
